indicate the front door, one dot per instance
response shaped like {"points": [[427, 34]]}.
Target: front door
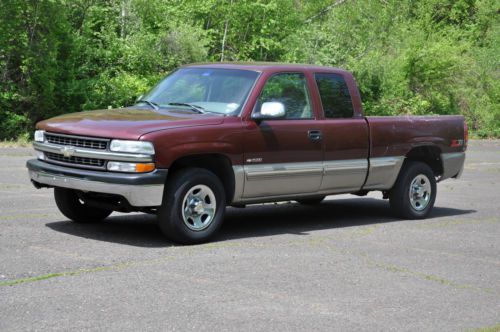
{"points": [[345, 137], [283, 156]]}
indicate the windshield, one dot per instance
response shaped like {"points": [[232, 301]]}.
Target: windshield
{"points": [[213, 90]]}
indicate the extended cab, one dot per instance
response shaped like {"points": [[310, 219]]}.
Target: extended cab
{"points": [[212, 135]]}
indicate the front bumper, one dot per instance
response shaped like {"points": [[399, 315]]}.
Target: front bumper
{"points": [[140, 190]]}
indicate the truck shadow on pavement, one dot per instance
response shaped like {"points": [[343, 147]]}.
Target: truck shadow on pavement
{"points": [[253, 221], [271, 219]]}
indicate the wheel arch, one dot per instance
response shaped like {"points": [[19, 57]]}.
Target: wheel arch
{"points": [[216, 163], [429, 154]]}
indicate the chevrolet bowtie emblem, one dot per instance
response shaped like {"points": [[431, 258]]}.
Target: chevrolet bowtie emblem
{"points": [[68, 151]]}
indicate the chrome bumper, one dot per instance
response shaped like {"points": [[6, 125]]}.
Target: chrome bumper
{"points": [[140, 190]]}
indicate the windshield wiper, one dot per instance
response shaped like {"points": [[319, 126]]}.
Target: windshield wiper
{"points": [[150, 103], [194, 108]]}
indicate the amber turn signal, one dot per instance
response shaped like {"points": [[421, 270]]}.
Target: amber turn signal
{"points": [[117, 166], [143, 168]]}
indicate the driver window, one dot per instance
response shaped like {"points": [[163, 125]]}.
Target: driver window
{"points": [[290, 89]]}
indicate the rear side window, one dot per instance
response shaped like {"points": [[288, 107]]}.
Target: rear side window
{"points": [[335, 96]]}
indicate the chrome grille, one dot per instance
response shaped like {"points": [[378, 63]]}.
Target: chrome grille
{"points": [[81, 142], [75, 161]]}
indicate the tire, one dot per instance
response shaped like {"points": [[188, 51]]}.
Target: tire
{"points": [[74, 209], [193, 207], [311, 201], [414, 192]]}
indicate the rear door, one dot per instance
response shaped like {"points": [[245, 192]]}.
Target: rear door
{"points": [[284, 156], [345, 136]]}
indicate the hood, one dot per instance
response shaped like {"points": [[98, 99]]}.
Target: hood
{"points": [[125, 123]]}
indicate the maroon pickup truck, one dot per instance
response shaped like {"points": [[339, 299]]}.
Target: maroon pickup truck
{"points": [[213, 135]]}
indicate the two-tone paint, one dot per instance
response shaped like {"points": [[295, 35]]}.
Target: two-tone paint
{"points": [[278, 159]]}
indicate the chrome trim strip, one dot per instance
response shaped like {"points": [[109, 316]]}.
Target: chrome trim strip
{"points": [[351, 164], [344, 175], [136, 195], [94, 153], [260, 172], [383, 172], [453, 165]]}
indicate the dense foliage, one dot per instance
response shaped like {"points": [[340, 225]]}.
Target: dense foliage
{"points": [[409, 57]]}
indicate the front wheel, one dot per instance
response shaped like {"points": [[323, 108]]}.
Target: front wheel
{"points": [[193, 206], [75, 209], [414, 192]]}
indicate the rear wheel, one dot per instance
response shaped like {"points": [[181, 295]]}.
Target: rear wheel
{"points": [[75, 209], [193, 206], [414, 192]]}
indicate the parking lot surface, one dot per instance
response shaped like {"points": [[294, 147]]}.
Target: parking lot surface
{"points": [[346, 264]]}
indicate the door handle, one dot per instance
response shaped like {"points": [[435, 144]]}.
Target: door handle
{"points": [[314, 135]]}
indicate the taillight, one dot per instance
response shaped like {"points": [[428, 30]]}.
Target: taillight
{"points": [[456, 143], [466, 135], [459, 142]]}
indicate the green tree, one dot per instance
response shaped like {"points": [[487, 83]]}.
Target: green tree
{"points": [[409, 57]]}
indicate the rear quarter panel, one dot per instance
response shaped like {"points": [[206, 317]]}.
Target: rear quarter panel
{"points": [[397, 135]]}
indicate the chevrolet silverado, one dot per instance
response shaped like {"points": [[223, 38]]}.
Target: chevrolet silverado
{"points": [[215, 135]]}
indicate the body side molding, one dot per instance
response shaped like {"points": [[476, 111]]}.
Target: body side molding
{"points": [[383, 172], [337, 176]]}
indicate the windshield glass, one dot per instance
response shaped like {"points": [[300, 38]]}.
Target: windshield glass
{"points": [[214, 90]]}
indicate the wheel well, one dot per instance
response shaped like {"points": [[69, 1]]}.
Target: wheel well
{"points": [[430, 155], [218, 164]]}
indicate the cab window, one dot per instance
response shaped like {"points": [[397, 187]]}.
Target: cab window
{"points": [[290, 89], [335, 96]]}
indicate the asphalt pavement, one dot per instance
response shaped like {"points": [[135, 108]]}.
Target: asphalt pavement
{"points": [[346, 264]]}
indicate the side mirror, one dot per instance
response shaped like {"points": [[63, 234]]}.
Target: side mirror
{"points": [[270, 110]]}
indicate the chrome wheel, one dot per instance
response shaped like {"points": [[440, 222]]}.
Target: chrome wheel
{"points": [[198, 207], [420, 192]]}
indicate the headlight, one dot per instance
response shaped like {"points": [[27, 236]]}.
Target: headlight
{"points": [[116, 166], [39, 136], [132, 146]]}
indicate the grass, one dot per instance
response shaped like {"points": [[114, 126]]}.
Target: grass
{"points": [[495, 328], [21, 142], [63, 274], [32, 279]]}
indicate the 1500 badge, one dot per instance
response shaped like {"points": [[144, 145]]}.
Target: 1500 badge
{"points": [[254, 160]]}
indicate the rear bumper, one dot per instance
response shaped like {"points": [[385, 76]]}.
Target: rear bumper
{"points": [[140, 190], [453, 164]]}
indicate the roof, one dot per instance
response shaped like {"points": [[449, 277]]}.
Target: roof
{"points": [[263, 66]]}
